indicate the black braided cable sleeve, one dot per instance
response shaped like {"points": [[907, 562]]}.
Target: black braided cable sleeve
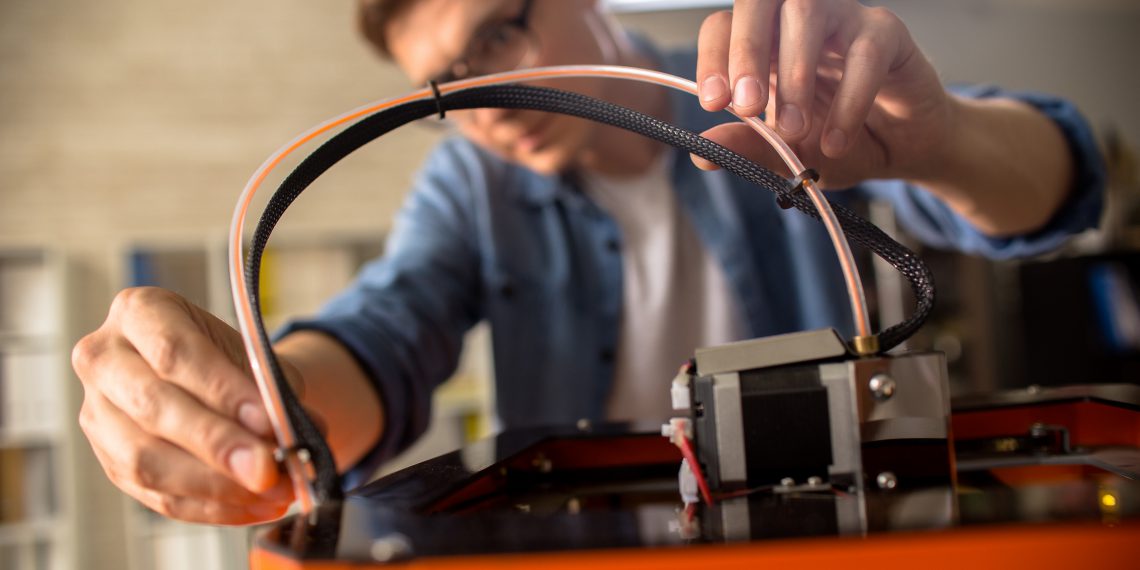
{"points": [[557, 101], [327, 485], [856, 228]]}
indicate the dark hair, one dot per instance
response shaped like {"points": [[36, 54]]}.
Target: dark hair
{"points": [[372, 18]]}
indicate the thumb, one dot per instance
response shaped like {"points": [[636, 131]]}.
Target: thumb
{"points": [[741, 139]]}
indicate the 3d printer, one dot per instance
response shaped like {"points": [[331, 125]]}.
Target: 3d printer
{"points": [[797, 436]]}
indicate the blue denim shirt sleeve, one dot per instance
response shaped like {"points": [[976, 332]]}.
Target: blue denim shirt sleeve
{"points": [[404, 316], [933, 222]]}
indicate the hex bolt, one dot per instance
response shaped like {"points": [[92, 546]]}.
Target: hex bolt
{"points": [[389, 548], [887, 481], [787, 482], [543, 464], [814, 481], [882, 387]]}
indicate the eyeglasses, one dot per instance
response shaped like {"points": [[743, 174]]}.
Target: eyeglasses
{"points": [[503, 46]]}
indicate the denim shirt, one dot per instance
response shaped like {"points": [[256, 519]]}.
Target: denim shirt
{"points": [[479, 238]]}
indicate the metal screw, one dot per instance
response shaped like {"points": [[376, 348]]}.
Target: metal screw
{"points": [[543, 464], [392, 547], [814, 481], [882, 387], [787, 482], [583, 424], [887, 480]]}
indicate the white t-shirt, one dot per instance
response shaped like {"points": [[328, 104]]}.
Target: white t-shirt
{"points": [[675, 294]]}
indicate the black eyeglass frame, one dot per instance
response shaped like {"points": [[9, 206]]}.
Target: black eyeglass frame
{"points": [[521, 22]]}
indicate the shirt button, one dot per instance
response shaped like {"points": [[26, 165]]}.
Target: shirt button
{"points": [[507, 290], [613, 245], [606, 355]]}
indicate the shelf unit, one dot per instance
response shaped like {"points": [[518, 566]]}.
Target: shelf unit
{"points": [[38, 405]]}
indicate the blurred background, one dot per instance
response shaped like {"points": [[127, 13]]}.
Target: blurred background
{"points": [[128, 127]]}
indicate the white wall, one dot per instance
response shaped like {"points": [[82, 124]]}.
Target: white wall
{"points": [[1088, 52]]}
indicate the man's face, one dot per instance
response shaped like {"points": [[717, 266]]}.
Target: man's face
{"points": [[428, 36]]}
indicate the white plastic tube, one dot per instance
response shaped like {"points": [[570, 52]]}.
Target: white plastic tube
{"points": [[286, 438]]}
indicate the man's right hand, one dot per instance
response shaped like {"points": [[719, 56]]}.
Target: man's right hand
{"points": [[173, 413]]}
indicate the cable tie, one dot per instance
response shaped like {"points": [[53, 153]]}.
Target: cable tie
{"points": [[438, 99], [798, 181], [784, 200]]}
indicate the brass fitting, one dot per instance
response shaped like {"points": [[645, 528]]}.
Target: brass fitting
{"points": [[866, 345]]}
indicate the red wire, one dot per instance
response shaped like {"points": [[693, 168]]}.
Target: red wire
{"points": [[687, 451]]}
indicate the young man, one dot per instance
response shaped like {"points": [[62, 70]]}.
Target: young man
{"points": [[601, 259]]}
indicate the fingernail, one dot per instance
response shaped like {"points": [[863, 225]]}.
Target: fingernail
{"points": [[836, 141], [253, 417], [713, 88], [244, 466], [702, 163], [791, 120], [747, 92]]}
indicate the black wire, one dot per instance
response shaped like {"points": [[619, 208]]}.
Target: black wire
{"points": [[332, 151]]}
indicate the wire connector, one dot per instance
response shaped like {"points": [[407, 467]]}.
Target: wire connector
{"points": [[676, 429], [687, 484], [865, 345], [679, 391], [680, 432]]}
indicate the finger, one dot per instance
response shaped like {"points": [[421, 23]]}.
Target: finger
{"points": [[194, 510], [803, 29], [741, 139], [319, 421], [867, 62], [160, 327], [130, 455], [712, 61], [750, 52], [166, 411]]}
